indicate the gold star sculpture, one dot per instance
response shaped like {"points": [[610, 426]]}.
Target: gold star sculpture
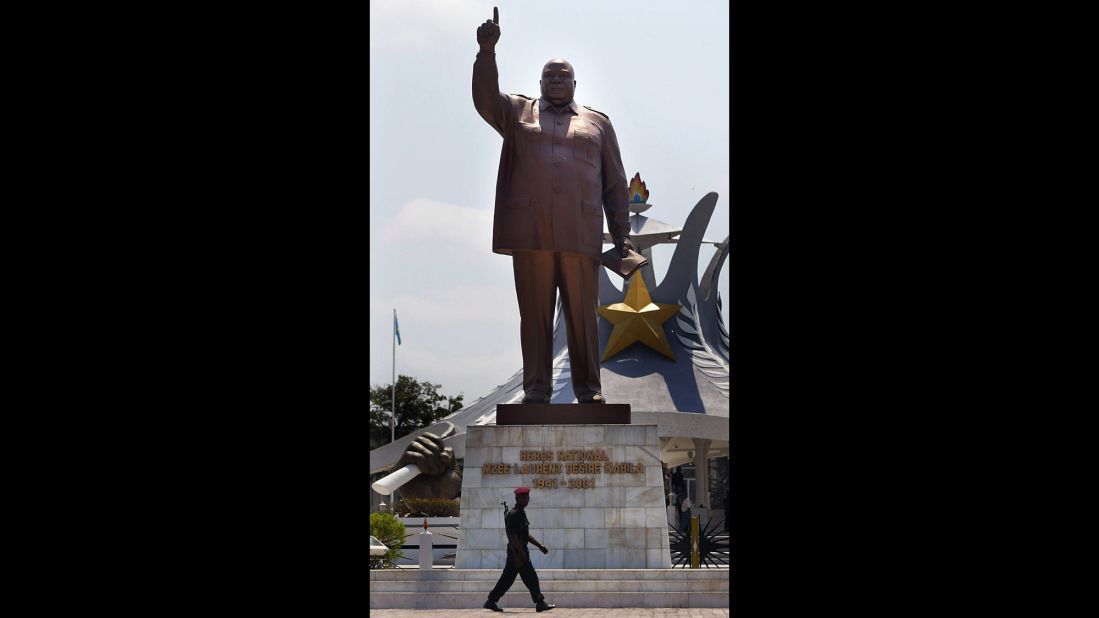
{"points": [[637, 318]]}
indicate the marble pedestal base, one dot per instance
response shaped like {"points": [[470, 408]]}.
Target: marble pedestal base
{"points": [[621, 523]]}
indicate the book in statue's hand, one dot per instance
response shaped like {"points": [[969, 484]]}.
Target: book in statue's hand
{"points": [[623, 266]]}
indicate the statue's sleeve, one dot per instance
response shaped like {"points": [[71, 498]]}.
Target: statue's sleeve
{"points": [[615, 198], [494, 106]]}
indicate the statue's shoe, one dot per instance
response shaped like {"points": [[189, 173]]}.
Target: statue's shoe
{"points": [[536, 397], [593, 397]]}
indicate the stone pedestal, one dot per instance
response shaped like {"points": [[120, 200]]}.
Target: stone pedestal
{"points": [[619, 523]]}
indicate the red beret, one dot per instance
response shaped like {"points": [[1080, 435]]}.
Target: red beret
{"points": [[522, 490]]}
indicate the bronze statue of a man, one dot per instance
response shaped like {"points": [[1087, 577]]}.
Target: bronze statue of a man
{"points": [[560, 171]]}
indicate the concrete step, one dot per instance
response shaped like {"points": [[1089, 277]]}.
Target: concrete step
{"points": [[547, 586], [521, 598], [551, 574]]}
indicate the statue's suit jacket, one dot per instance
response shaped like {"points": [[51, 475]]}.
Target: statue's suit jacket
{"points": [[560, 171]]}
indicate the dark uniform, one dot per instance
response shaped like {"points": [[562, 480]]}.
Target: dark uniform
{"points": [[679, 486], [516, 523]]}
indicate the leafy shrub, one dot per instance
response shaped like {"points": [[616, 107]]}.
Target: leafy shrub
{"points": [[432, 507], [390, 531]]}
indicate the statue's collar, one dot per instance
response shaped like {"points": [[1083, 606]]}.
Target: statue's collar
{"points": [[543, 104]]}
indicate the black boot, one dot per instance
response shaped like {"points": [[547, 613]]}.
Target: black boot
{"points": [[493, 606], [536, 397], [543, 606]]}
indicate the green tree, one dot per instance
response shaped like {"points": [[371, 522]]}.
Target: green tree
{"points": [[390, 532], [419, 405]]}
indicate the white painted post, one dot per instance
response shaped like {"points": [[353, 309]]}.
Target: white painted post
{"points": [[425, 548]]}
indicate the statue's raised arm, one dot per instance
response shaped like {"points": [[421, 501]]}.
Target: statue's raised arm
{"points": [[493, 105]]}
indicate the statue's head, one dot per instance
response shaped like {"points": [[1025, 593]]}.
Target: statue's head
{"points": [[558, 81]]}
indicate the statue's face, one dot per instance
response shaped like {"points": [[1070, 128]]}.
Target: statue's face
{"points": [[558, 81]]}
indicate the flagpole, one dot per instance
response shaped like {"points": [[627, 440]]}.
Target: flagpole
{"points": [[393, 415]]}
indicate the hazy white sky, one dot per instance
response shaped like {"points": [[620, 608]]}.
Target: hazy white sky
{"points": [[660, 70]]}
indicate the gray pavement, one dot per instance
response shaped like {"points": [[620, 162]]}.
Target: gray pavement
{"points": [[571, 612]]}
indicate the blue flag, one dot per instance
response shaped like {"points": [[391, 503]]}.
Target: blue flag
{"points": [[396, 327]]}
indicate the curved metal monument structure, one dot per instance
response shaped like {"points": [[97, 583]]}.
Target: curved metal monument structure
{"points": [[688, 397]]}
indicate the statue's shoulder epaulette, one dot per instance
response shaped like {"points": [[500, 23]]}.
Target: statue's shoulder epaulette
{"points": [[522, 96], [598, 112]]}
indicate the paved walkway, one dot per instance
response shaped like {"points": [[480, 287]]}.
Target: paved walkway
{"points": [[570, 612]]}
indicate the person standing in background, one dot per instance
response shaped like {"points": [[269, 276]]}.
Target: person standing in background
{"points": [[685, 515], [679, 486]]}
